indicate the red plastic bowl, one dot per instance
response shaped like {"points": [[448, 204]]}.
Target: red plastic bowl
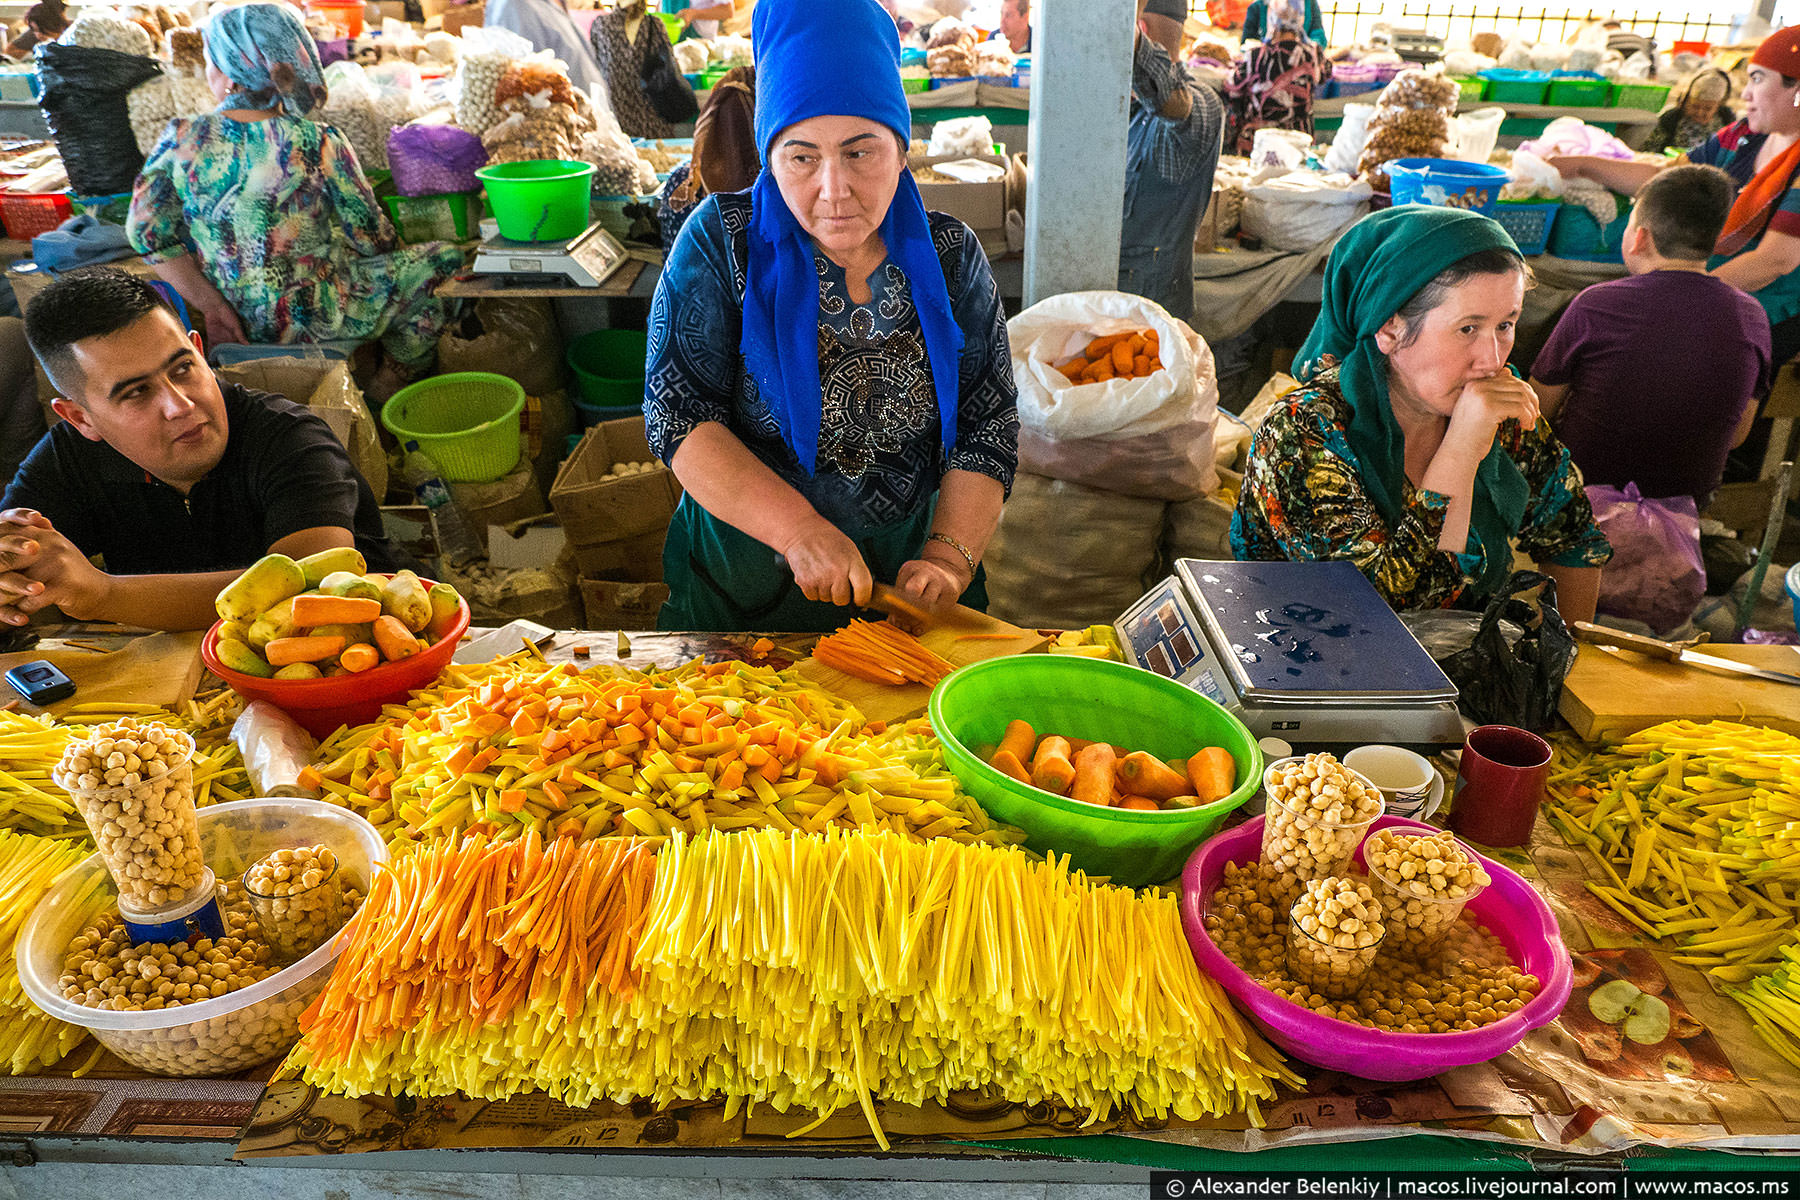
{"points": [[1509, 908], [321, 705]]}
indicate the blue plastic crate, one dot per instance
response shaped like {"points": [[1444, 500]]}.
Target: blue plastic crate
{"points": [[1528, 225]]}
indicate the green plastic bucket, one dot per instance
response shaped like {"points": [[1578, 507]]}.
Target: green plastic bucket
{"points": [[542, 200], [608, 365], [466, 422], [1101, 701], [674, 24]]}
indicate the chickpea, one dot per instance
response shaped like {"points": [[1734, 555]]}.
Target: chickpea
{"points": [[297, 896], [1317, 813], [133, 783]]}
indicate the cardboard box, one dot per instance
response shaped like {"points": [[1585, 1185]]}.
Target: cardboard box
{"points": [[980, 206], [461, 15], [595, 510], [325, 386], [624, 606], [512, 498], [628, 560]]}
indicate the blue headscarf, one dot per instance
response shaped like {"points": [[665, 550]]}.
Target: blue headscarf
{"points": [[265, 51], [830, 59]]}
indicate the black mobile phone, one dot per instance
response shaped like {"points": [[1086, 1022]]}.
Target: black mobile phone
{"points": [[40, 683]]}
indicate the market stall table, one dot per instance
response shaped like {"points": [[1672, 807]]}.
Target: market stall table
{"points": [[1562, 1092]]}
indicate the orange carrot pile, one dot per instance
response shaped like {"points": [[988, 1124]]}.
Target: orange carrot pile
{"points": [[520, 744], [460, 944], [1129, 355], [881, 652], [1111, 776]]}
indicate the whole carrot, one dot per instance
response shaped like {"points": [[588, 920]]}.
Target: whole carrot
{"points": [[1051, 768], [1094, 768], [1144, 774]]}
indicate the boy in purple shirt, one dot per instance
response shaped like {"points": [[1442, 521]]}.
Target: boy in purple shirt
{"points": [[1652, 379]]}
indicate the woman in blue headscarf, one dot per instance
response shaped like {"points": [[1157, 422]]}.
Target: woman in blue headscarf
{"points": [[263, 220], [828, 373], [1410, 449]]}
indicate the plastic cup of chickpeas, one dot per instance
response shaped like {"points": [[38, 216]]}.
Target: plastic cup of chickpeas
{"points": [[298, 898], [1335, 930], [133, 784], [1317, 813], [1423, 882]]}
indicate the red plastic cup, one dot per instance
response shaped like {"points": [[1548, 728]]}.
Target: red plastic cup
{"points": [[1499, 785]]}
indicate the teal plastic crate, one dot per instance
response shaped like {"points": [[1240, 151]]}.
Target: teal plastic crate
{"points": [[1578, 236], [1527, 223], [1648, 96]]}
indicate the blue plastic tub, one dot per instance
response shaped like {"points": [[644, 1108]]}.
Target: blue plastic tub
{"points": [[1447, 183]]}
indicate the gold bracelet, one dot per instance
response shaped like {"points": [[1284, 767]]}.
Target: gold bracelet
{"points": [[968, 555]]}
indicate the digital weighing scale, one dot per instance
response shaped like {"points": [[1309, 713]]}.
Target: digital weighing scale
{"points": [[583, 261], [1306, 651]]}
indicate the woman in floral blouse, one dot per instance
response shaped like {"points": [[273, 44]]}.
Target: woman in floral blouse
{"points": [[1410, 450], [1272, 84]]}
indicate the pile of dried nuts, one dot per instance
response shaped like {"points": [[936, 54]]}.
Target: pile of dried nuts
{"points": [[298, 898], [1317, 814], [134, 784], [1469, 983], [1423, 881], [1334, 930]]}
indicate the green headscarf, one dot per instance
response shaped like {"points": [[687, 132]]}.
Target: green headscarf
{"points": [[1375, 268]]}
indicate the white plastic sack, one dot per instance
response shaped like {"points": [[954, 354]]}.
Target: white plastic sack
{"points": [[1347, 144], [1516, 55], [1589, 48], [1139, 437], [1066, 555], [1475, 134], [963, 135], [1549, 56], [1531, 179], [1300, 210], [1639, 67], [1467, 62], [1274, 150]]}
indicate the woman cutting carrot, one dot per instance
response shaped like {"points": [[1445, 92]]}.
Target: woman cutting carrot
{"points": [[1760, 248], [828, 375]]}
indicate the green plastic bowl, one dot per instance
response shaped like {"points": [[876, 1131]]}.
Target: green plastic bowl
{"points": [[466, 422], [609, 367], [541, 200], [1105, 702]]}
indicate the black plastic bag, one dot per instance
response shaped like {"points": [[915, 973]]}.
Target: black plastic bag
{"points": [[83, 99], [668, 93], [1518, 682]]}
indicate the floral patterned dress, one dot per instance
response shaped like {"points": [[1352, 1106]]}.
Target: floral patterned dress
{"points": [[283, 222], [1303, 499], [1272, 87]]}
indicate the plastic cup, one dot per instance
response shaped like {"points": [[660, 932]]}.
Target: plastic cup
{"points": [[196, 915], [147, 834], [299, 922], [1303, 846], [1499, 785], [1417, 922], [1336, 972]]}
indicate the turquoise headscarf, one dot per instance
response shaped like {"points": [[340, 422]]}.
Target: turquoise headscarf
{"points": [[265, 51], [1375, 268]]}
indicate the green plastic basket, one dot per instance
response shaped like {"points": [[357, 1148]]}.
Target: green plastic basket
{"points": [[1579, 93], [673, 24], [541, 200], [1471, 89], [609, 370], [1100, 701], [466, 422], [1648, 96]]}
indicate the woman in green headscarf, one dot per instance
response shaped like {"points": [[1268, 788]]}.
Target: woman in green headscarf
{"points": [[1410, 449]]}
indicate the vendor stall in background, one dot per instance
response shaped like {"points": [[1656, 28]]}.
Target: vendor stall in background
{"points": [[1146, 857]]}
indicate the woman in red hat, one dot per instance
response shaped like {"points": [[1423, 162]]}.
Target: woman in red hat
{"points": [[1760, 248]]}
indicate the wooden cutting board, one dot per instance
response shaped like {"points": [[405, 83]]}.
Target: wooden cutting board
{"points": [[883, 702], [161, 668], [1611, 693]]}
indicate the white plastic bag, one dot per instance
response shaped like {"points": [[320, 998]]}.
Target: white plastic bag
{"points": [[1466, 62], [1549, 56], [963, 135], [1139, 437], [1531, 179], [1516, 55], [1639, 66], [1276, 150], [1475, 134], [1589, 48], [1347, 144], [275, 750], [1300, 210]]}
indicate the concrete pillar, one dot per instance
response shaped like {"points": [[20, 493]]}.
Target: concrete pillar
{"points": [[1080, 98]]}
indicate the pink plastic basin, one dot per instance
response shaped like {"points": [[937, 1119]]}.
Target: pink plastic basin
{"points": [[1510, 909]]}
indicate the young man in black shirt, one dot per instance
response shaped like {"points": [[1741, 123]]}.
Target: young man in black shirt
{"points": [[175, 482]]}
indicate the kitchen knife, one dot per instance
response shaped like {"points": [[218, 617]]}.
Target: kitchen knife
{"points": [[896, 603], [1674, 652]]}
